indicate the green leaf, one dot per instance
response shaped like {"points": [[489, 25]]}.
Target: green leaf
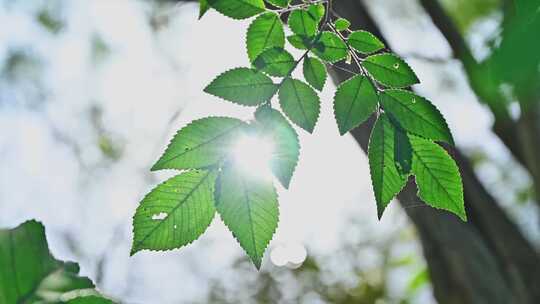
{"points": [[200, 144], [317, 12], [238, 9], [279, 3], [29, 273], [387, 181], [314, 73], [342, 24], [329, 47], [416, 115], [402, 151], [243, 86], [390, 70], [203, 7], [249, 208], [303, 23], [437, 177], [365, 42], [266, 31], [286, 145], [354, 102], [90, 300], [300, 42], [275, 62], [175, 213], [300, 103]]}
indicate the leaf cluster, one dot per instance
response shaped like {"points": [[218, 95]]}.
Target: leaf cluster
{"points": [[403, 142]]}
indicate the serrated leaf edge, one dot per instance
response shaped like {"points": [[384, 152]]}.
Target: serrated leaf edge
{"points": [[234, 102], [325, 73], [417, 81], [265, 48], [406, 177], [155, 167], [263, 9], [255, 262], [463, 216], [445, 123], [318, 112], [334, 103], [133, 250]]}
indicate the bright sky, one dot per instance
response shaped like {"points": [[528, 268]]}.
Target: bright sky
{"points": [[148, 88]]}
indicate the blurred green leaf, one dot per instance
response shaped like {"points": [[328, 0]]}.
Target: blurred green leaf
{"points": [[30, 274]]}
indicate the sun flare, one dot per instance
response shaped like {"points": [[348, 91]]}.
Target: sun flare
{"points": [[252, 155]]}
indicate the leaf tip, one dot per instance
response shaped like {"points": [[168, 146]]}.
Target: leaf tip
{"points": [[256, 262], [156, 167], [133, 251], [462, 215]]}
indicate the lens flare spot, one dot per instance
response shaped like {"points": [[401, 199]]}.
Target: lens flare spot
{"points": [[252, 154]]}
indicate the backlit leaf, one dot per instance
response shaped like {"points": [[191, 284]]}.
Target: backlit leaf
{"points": [[299, 42], [249, 208], [302, 23], [342, 24], [279, 3], [300, 103], [387, 181], [203, 7], [238, 9], [329, 47], [275, 62], [286, 145], [243, 86], [437, 177], [266, 31], [354, 102], [200, 144], [314, 72], [416, 115], [390, 70], [316, 11], [365, 42], [175, 213], [402, 151]]}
